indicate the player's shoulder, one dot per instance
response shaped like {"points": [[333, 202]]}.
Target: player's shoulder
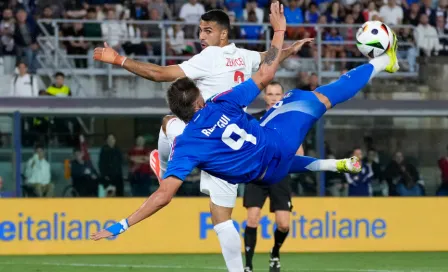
{"points": [[210, 50]]}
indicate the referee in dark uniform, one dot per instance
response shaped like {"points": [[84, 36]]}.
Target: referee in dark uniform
{"points": [[279, 194]]}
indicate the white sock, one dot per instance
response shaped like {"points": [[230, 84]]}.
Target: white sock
{"points": [[230, 245], [322, 165], [379, 64]]}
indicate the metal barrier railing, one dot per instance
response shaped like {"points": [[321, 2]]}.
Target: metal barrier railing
{"points": [[164, 58]]}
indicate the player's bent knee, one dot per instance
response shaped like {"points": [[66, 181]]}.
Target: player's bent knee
{"points": [[220, 214], [165, 120], [283, 226], [322, 98]]}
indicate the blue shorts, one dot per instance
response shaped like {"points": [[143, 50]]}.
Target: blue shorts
{"points": [[287, 123]]}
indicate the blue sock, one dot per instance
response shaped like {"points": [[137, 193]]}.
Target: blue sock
{"points": [[300, 163], [348, 85]]}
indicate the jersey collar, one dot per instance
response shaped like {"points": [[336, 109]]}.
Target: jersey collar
{"points": [[230, 48]]}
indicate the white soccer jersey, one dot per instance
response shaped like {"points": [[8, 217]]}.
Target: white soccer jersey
{"points": [[218, 69]]}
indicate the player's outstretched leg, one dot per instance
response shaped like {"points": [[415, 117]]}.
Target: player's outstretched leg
{"points": [[349, 84], [302, 164]]}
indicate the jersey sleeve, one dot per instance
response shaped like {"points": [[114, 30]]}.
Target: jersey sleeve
{"points": [[240, 96], [200, 65], [181, 162], [254, 57]]}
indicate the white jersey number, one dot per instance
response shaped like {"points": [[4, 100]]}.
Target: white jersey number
{"points": [[244, 137]]}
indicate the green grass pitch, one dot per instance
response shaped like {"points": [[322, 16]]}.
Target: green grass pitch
{"points": [[325, 262]]}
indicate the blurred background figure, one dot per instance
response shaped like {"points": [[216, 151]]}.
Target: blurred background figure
{"points": [[139, 170], [110, 166], [360, 184], [85, 178], [38, 174]]}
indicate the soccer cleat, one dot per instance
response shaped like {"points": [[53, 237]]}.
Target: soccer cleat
{"points": [[154, 163], [351, 165], [248, 269], [393, 66], [274, 264]]}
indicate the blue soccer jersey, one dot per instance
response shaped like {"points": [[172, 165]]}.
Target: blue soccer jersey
{"points": [[223, 140]]}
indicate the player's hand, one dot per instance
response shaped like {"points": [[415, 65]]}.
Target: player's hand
{"points": [[277, 17], [297, 45], [107, 54], [100, 235]]}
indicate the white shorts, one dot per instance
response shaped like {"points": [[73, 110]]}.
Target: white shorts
{"points": [[220, 191]]}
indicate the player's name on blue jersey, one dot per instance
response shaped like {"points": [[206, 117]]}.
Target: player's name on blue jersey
{"points": [[222, 123]]}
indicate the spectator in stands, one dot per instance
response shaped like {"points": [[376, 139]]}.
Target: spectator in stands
{"points": [[408, 185], [312, 14], [110, 165], [58, 88], [370, 11], [360, 184], [412, 16], [47, 14], [334, 13], [139, 11], [313, 83], [252, 5], [334, 50], [163, 9], [442, 31], [57, 7], [191, 13], [427, 9], [252, 32], [76, 45], [235, 31], [294, 15], [75, 9], [443, 166], [23, 84], [135, 45], [84, 176], [213, 4], [379, 186], [356, 9], [7, 26], [441, 10], [391, 14], [25, 38], [92, 30], [139, 170], [113, 30], [394, 171], [426, 38], [38, 174], [236, 6], [176, 39], [349, 34], [408, 51]]}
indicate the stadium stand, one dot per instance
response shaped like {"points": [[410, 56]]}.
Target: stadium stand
{"points": [[55, 39]]}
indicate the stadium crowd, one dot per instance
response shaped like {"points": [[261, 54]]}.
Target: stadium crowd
{"points": [[19, 29], [19, 46]]}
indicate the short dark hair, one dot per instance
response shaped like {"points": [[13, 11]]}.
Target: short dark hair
{"points": [[218, 16], [38, 146], [21, 62], [181, 96], [59, 74], [91, 10], [274, 83]]}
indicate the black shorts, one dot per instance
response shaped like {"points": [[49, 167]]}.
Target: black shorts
{"points": [[279, 195]]}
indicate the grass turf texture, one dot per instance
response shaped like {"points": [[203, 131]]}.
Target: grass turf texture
{"points": [[326, 262]]}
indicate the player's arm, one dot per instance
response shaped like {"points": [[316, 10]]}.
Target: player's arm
{"points": [[286, 52], [272, 59], [181, 164], [146, 70]]}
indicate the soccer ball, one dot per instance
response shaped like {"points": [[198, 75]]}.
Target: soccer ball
{"points": [[374, 38]]}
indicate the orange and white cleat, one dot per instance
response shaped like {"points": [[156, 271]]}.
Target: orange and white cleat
{"points": [[154, 163]]}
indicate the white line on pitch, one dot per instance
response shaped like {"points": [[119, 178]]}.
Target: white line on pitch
{"points": [[215, 268]]}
